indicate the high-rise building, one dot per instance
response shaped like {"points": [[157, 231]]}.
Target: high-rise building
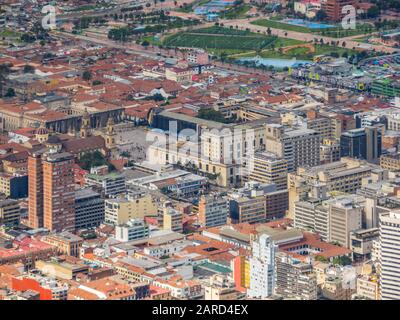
{"points": [[266, 167], [364, 143], [389, 255], [134, 229], [89, 209], [262, 267], [300, 147], [294, 279], [213, 211], [51, 191]]}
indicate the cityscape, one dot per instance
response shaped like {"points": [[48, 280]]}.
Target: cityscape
{"points": [[207, 150]]}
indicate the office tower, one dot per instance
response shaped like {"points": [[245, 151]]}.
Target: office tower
{"points": [[266, 167], [262, 265], [389, 255], [364, 143], [294, 279], [300, 147], [213, 210], [345, 216], [89, 209], [51, 191]]}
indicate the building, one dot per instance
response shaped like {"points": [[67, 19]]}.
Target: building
{"points": [[300, 147], [363, 143], [248, 209], [368, 287], [220, 287], [120, 210], [213, 210], [262, 265], [241, 273], [14, 186], [329, 151], [111, 184], [389, 255], [61, 268], [361, 243], [172, 220], [134, 229], [266, 167], [89, 209], [390, 162], [333, 8], [294, 279], [10, 212], [66, 242], [51, 191]]}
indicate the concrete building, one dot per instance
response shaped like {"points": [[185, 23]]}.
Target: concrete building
{"points": [[389, 255], [266, 167], [368, 287], [361, 243], [10, 212], [262, 267], [213, 210], [220, 287], [120, 210], [294, 279], [300, 147], [172, 220], [89, 209], [134, 229], [111, 184]]}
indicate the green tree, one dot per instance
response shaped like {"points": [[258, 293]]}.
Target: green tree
{"points": [[86, 75]]}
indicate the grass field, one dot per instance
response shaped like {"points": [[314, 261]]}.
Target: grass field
{"points": [[7, 33], [238, 12], [336, 32]]}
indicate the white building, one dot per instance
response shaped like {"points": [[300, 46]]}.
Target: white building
{"points": [[134, 229], [262, 265], [389, 255]]}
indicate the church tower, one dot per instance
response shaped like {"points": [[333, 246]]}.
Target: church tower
{"points": [[85, 127], [110, 136]]}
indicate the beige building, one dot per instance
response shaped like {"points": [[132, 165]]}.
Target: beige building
{"points": [[179, 75], [172, 220], [266, 167], [367, 287], [221, 288], [66, 242], [61, 269], [345, 175], [120, 211]]}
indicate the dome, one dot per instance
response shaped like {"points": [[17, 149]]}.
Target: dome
{"points": [[41, 131], [53, 140]]}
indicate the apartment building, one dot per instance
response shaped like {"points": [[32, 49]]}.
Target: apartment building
{"points": [[213, 210], [262, 267], [172, 220], [294, 279], [66, 242]]}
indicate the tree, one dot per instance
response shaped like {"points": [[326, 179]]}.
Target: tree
{"points": [[10, 93], [343, 261], [86, 75], [373, 12], [320, 15], [211, 114], [269, 31], [29, 69]]}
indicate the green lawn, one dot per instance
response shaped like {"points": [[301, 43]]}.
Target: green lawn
{"points": [[280, 25], [7, 33], [336, 32], [238, 12]]}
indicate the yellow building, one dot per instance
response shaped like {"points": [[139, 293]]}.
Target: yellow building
{"points": [[119, 211], [179, 75], [10, 212], [172, 220]]}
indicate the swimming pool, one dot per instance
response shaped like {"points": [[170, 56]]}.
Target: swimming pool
{"points": [[276, 63], [308, 24]]}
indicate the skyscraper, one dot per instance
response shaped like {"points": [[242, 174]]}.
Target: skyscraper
{"points": [[262, 264], [51, 191], [389, 255]]}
